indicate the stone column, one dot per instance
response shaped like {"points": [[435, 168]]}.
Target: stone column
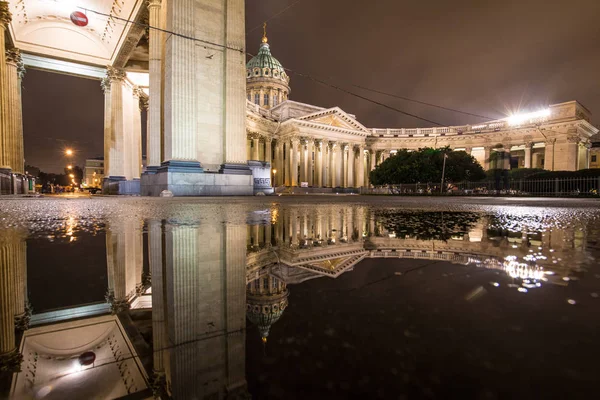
{"points": [[268, 149], [360, 176], [180, 92], [345, 155], [5, 18], [153, 134], [325, 151], [255, 148], [339, 165], [310, 149], [294, 162], [279, 176], [303, 163], [549, 154], [350, 168], [333, 146], [569, 158], [528, 154], [288, 162], [318, 177], [487, 152], [114, 128], [12, 112], [136, 134]]}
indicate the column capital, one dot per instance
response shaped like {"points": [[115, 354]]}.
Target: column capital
{"points": [[105, 84], [137, 91], [333, 145], [115, 74], [550, 141], [13, 56], [529, 144], [573, 139], [5, 15], [144, 102], [153, 3]]}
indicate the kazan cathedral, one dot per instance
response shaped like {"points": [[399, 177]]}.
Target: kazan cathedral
{"points": [[310, 146]]}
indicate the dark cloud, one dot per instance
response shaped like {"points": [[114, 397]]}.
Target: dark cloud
{"points": [[483, 56]]}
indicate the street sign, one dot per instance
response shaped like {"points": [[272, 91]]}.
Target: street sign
{"points": [[79, 18]]}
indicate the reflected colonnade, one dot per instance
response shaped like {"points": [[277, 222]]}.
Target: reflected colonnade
{"points": [[205, 278]]}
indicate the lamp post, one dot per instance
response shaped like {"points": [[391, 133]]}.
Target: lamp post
{"points": [[443, 173]]}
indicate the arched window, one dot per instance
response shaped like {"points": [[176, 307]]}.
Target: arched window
{"points": [[266, 100], [256, 98]]}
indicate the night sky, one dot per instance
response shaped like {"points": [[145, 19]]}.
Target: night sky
{"points": [[486, 57]]}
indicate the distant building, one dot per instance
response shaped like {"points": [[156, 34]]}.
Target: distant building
{"points": [[93, 172], [595, 155]]}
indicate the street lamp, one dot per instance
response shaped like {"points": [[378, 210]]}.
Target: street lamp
{"points": [[69, 167], [69, 152], [72, 176]]}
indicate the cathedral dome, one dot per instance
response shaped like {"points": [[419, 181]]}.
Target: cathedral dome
{"points": [[267, 83], [264, 65]]}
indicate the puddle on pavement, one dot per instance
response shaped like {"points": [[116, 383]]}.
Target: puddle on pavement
{"points": [[281, 300]]}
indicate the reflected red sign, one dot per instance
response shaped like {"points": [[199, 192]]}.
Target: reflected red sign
{"points": [[79, 18]]}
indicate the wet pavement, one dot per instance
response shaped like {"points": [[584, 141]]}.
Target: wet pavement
{"points": [[299, 297]]}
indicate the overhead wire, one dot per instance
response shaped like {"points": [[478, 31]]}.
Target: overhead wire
{"points": [[423, 102], [303, 75], [274, 16]]}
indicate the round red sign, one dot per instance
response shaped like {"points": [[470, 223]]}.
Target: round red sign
{"points": [[87, 358], [79, 18]]}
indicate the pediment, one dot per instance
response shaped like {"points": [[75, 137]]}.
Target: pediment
{"points": [[335, 117], [332, 267]]}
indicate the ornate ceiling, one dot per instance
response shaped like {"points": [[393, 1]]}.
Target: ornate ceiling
{"points": [[44, 27]]}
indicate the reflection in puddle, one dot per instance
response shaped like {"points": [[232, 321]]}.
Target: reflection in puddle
{"points": [[211, 306]]}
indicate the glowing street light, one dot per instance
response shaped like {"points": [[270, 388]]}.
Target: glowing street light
{"points": [[72, 176], [526, 118], [69, 167], [69, 152]]}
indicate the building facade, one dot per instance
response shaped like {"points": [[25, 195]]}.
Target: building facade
{"points": [[311, 146], [93, 172]]}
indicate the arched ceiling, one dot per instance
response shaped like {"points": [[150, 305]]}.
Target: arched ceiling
{"points": [[44, 27]]}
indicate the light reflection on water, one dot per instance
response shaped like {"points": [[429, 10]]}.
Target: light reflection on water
{"points": [[218, 299]]}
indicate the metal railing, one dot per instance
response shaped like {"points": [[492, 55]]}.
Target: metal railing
{"points": [[566, 187]]}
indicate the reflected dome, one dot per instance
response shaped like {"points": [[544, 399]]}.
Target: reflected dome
{"points": [[266, 299]]}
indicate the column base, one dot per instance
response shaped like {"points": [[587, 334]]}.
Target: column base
{"points": [[185, 178], [6, 185], [261, 177], [237, 169], [152, 169], [118, 185]]}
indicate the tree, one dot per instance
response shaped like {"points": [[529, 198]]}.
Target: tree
{"points": [[425, 165]]}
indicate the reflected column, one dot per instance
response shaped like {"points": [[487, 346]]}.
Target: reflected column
{"points": [[205, 285], [12, 244], [159, 322]]}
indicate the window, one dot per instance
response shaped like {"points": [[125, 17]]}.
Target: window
{"points": [[266, 283], [594, 158], [266, 99], [256, 98], [274, 100], [249, 99]]}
